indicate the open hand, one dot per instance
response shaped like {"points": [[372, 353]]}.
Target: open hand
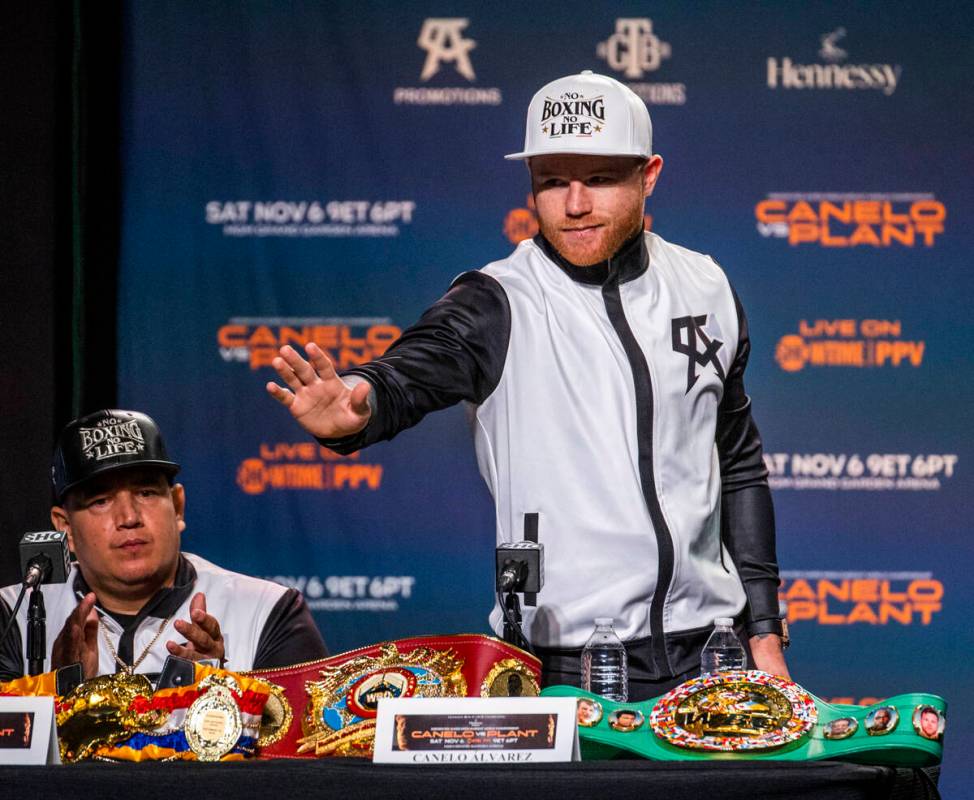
{"points": [[78, 640], [321, 402], [203, 636]]}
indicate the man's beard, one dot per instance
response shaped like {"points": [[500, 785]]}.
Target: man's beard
{"points": [[615, 233]]}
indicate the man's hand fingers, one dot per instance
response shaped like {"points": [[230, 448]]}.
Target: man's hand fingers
{"points": [[183, 652], [320, 361], [359, 400], [197, 613], [304, 371], [287, 374], [83, 610], [195, 635], [208, 623], [279, 393], [198, 603]]}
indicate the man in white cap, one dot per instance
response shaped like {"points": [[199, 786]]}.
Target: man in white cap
{"points": [[606, 368]]}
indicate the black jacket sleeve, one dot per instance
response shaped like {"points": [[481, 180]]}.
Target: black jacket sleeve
{"points": [[747, 513], [11, 648], [455, 352], [290, 635]]}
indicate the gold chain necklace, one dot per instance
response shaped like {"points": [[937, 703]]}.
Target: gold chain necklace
{"points": [[126, 668]]}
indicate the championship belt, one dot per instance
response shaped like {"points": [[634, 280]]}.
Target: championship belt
{"points": [[753, 715], [336, 699], [119, 718]]}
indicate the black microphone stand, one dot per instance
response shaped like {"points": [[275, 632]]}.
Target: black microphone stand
{"points": [[36, 632], [512, 620]]}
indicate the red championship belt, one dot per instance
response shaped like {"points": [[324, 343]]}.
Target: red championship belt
{"points": [[328, 707]]}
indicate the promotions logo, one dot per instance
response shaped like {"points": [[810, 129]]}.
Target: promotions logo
{"points": [[350, 592], [786, 74], [347, 341], [443, 40], [848, 343], [522, 223], [851, 219], [861, 598], [635, 50], [855, 472], [111, 437], [686, 332], [303, 219], [305, 466]]}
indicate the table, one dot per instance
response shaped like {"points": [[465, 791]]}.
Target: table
{"points": [[353, 779]]}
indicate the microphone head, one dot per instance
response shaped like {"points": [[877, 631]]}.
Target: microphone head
{"points": [[50, 545]]}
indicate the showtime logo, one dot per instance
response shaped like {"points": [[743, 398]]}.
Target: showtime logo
{"points": [[305, 466], [848, 343], [347, 341], [851, 219], [785, 73], [861, 598]]}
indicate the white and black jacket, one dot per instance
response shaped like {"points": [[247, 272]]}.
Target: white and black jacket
{"points": [[263, 624], [609, 401]]}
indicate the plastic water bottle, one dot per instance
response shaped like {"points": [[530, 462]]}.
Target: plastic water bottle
{"points": [[723, 650], [604, 667]]}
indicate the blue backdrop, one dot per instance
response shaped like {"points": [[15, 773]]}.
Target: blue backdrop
{"points": [[311, 171]]}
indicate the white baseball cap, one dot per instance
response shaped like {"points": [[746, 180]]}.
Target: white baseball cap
{"points": [[588, 114]]}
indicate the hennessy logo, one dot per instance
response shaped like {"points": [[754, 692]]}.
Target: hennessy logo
{"points": [[687, 345], [633, 49], [111, 437], [572, 114], [442, 41], [830, 50]]}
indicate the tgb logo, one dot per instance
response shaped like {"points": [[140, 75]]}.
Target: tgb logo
{"points": [[442, 40], [633, 49], [686, 332]]}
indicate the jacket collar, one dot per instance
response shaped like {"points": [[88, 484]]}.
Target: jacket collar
{"points": [[164, 602], [629, 262]]}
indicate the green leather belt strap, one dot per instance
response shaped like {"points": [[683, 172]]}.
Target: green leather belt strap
{"points": [[905, 730]]}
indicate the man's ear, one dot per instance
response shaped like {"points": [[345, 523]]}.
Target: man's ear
{"points": [[59, 520], [651, 174], [178, 494]]}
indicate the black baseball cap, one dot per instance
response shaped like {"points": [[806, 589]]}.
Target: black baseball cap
{"points": [[106, 441]]}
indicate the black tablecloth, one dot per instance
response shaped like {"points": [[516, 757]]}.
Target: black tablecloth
{"points": [[355, 780]]}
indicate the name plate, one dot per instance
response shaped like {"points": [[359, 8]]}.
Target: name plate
{"points": [[27, 731], [476, 730]]}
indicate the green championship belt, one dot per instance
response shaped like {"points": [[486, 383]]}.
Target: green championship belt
{"points": [[753, 715]]}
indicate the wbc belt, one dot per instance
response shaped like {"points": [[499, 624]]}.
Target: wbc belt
{"points": [[328, 707], [754, 715]]}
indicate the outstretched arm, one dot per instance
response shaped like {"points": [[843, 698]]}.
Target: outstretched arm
{"points": [[456, 351], [323, 404]]}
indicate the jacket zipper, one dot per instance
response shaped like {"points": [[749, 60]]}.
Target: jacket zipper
{"points": [[643, 383]]}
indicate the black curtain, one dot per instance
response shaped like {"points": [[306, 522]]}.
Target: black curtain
{"points": [[59, 191]]}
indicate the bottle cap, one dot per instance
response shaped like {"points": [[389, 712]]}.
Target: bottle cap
{"points": [[600, 621], [724, 621]]}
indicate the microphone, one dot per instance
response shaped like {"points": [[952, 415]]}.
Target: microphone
{"points": [[520, 567], [44, 558]]}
